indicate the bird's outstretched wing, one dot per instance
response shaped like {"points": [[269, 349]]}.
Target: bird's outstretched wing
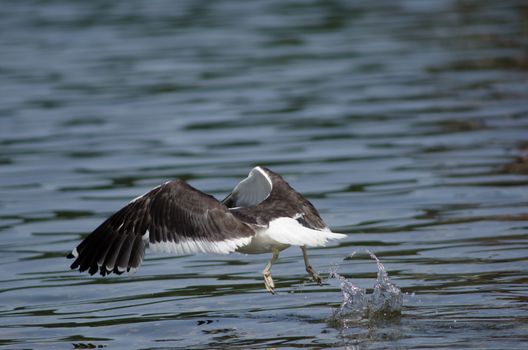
{"points": [[173, 217], [265, 199], [265, 196]]}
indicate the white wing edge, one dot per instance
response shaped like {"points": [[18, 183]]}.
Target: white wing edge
{"points": [[187, 247]]}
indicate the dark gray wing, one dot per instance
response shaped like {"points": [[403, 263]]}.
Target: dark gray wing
{"points": [[173, 217], [281, 201], [289, 217]]}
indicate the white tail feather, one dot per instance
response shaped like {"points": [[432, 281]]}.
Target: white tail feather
{"points": [[290, 231]]}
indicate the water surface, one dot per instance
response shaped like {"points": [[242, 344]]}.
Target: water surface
{"points": [[404, 122]]}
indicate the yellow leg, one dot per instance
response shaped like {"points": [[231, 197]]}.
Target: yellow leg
{"points": [[268, 281], [315, 276]]}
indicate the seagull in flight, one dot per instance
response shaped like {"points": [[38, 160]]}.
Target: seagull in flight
{"points": [[263, 214]]}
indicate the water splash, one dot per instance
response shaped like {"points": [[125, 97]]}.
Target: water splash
{"points": [[385, 302], [387, 298]]}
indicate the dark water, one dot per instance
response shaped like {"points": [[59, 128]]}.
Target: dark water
{"points": [[404, 122]]}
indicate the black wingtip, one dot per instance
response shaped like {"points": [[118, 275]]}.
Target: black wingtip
{"points": [[93, 269], [75, 265]]}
